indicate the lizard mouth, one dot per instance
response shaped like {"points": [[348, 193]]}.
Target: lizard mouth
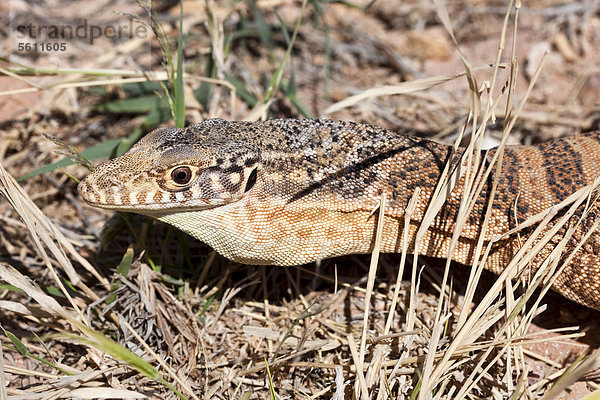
{"points": [[111, 196], [87, 194], [155, 202], [112, 200]]}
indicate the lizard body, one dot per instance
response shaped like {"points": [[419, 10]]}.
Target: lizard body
{"points": [[289, 192]]}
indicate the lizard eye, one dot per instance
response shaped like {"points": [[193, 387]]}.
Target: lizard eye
{"points": [[181, 175]]}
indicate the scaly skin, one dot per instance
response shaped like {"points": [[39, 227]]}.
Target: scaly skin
{"points": [[289, 192]]}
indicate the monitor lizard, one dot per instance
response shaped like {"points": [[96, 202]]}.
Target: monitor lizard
{"points": [[289, 192]]}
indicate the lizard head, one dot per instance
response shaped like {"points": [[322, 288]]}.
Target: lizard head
{"points": [[193, 168]]}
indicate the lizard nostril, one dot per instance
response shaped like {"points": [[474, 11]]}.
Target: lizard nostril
{"points": [[115, 186], [86, 192]]}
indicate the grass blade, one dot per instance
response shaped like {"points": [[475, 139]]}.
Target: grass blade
{"points": [[179, 112]]}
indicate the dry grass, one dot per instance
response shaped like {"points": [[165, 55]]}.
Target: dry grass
{"points": [[341, 329]]}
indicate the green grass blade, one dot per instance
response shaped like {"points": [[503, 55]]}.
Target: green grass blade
{"points": [[271, 386], [179, 96], [264, 31], [246, 396], [21, 348], [592, 396], [16, 342], [242, 92], [122, 270], [135, 105], [172, 388], [116, 147], [276, 80], [126, 261], [202, 94], [9, 287], [142, 88], [99, 341], [207, 304], [101, 150], [54, 291], [300, 107], [289, 90], [114, 349]]}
